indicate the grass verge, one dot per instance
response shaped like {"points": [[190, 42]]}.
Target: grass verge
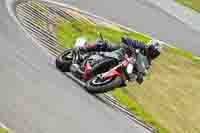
{"points": [[67, 33], [193, 4], [168, 96], [135, 108], [2, 130]]}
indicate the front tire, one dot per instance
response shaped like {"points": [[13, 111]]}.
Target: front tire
{"points": [[97, 86], [64, 60]]}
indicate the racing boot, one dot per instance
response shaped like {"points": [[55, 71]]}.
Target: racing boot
{"points": [[132, 77], [140, 78]]}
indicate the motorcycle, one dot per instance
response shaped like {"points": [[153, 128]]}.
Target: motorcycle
{"points": [[108, 75]]}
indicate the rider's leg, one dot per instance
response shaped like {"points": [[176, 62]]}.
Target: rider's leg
{"points": [[140, 66]]}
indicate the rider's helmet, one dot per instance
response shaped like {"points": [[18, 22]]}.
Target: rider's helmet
{"points": [[154, 49], [80, 42]]}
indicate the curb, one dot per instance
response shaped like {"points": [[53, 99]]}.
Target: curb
{"points": [[11, 6]]}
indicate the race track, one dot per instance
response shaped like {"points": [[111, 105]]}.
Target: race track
{"points": [[143, 17], [36, 98]]}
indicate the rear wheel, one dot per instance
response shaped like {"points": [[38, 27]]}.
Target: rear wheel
{"points": [[98, 85], [64, 60]]}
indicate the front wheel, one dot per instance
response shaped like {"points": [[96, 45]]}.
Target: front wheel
{"points": [[64, 60], [98, 85]]}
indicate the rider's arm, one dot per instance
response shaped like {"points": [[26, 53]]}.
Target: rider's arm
{"points": [[99, 47], [134, 43]]}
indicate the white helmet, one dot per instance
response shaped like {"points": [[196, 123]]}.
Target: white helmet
{"points": [[80, 42], [154, 48]]}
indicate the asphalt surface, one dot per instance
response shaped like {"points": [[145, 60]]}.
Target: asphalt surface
{"points": [[143, 17], [36, 98]]}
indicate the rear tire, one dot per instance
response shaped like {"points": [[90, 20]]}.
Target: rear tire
{"points": [[63, 62], [105, 86]]}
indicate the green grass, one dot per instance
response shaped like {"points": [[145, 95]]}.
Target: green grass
{"points": [[135, 108], [67, 33], [2, 130], [193, 4], [170, 93]]}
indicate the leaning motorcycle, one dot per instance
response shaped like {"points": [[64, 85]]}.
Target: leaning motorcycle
{"points": [[108, 73]]}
